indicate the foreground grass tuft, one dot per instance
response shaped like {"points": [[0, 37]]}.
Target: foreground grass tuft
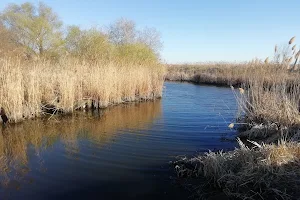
{"points": [[261, 172]]}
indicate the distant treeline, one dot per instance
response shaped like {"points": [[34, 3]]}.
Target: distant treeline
{"points": [[35, 31]]}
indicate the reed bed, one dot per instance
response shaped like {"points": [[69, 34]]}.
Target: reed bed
{"points": [[29, 87], [208, 73], [230, 74]]}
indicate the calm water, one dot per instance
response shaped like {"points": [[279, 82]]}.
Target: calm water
{"points": [[120, 153]]}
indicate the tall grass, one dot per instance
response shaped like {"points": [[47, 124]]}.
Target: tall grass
{"points": [[29, 87], [271, 94]]}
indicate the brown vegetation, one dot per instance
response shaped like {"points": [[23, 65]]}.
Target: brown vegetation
{"points": [[261, 172], [70, 84], [268, 98], [209, 73]]}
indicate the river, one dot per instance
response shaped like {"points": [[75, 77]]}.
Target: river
{"points": [[122, 152]]}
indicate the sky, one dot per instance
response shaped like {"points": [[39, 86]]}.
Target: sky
{"points": [[194, 31]]}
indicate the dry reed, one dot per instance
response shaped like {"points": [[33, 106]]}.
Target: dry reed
{"points": [[209, 73], [292, 40], [260, 172], [27, 87]]}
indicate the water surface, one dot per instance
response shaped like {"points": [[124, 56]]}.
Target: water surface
{"points": [[122, 152]]}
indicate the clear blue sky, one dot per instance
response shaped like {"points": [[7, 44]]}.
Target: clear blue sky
{"points": [[195, 31]]}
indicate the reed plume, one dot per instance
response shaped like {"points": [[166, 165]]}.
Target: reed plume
{"points": [[297, 55], [267, 60], [292, 40]]}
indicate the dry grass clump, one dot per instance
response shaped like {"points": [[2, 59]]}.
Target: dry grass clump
{"points": [[276, 104], [27, 87], [261, 172]]}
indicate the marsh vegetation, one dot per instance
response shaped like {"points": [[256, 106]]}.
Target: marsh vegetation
{"points": [[266, 165], [48, 68], [44, 68]]}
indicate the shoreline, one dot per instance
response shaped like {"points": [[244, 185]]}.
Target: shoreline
{"points": [[61, 114], [266, 165], [217, 84]]}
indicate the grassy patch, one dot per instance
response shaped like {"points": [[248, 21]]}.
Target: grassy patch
{"points": [[261, 172]]}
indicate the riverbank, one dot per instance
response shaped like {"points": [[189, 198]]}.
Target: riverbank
{"points": [[266, 93], [267, 165], [30, 88], [261, 172]]}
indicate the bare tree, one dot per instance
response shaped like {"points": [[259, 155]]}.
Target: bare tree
{"points": [[123, 31], [150, 37]]}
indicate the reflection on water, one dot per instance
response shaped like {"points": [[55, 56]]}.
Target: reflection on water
{"points": [[122, 152], [99, 127]]}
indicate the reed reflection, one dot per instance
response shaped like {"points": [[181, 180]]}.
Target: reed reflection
{"points": [[41, 134]]}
